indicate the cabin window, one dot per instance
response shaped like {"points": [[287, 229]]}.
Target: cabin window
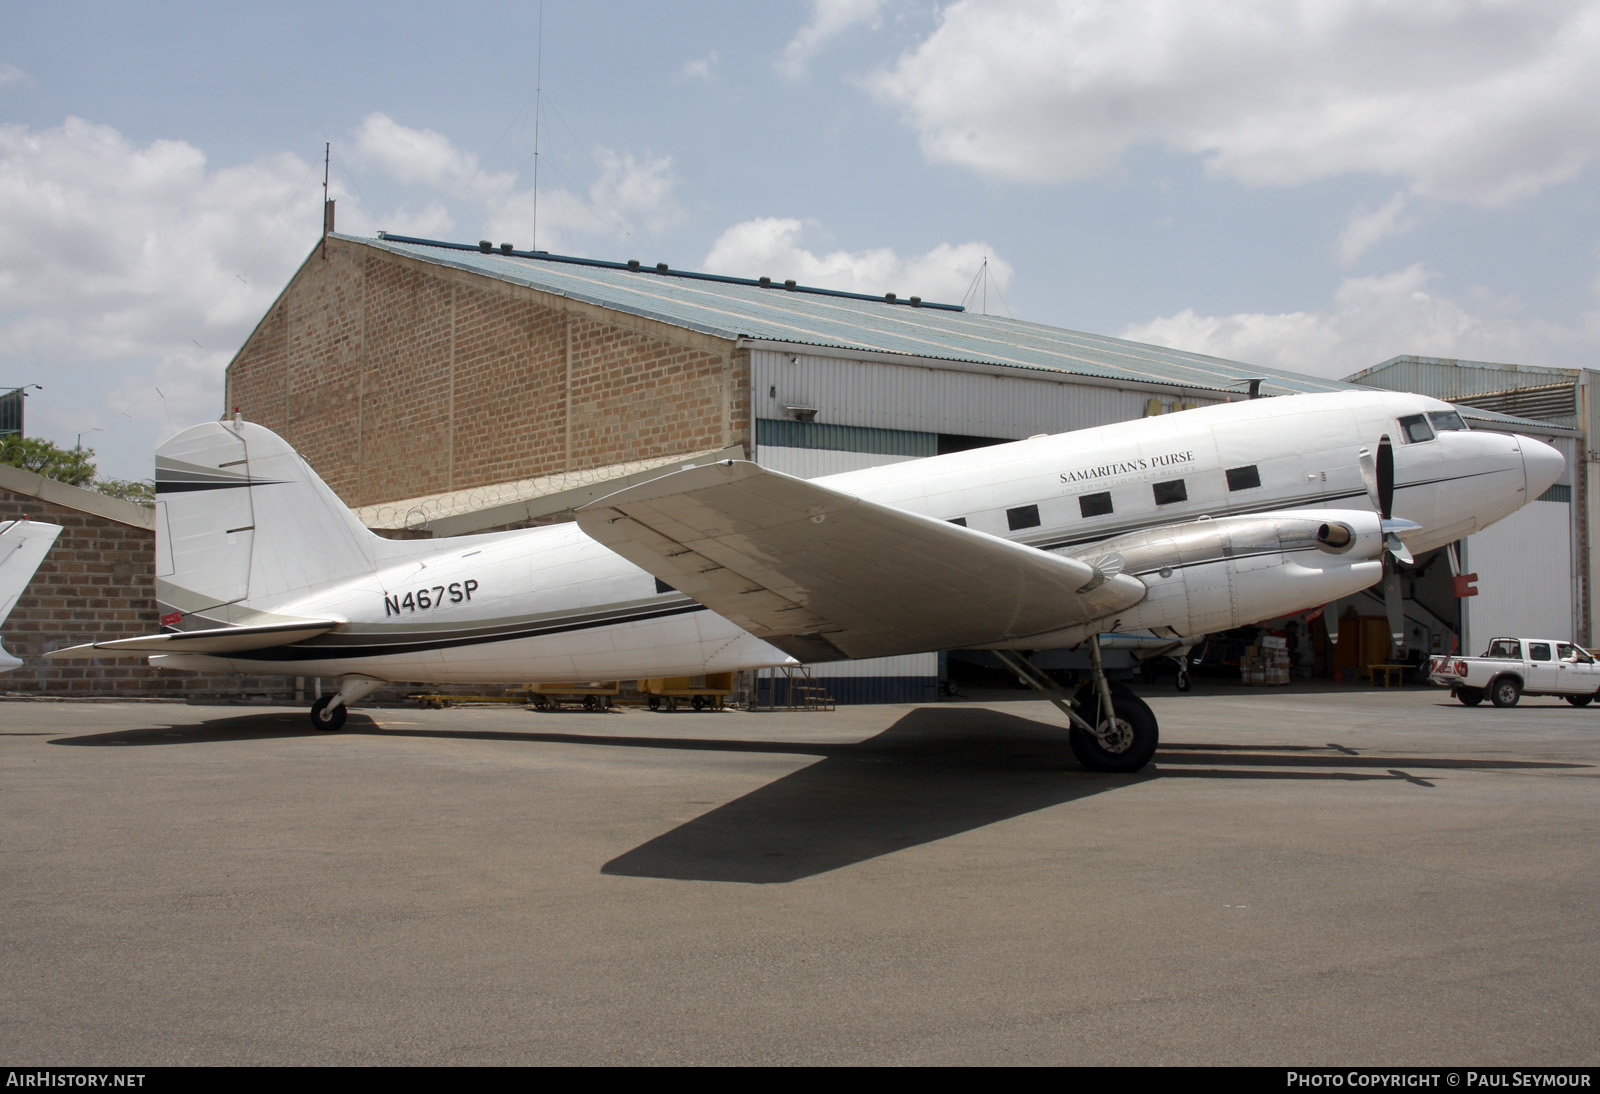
{"points": [[1094, 505], [1023, 516], [1538, 651], [1172, 491], [1243, 478], [959, 520], [1414, 428], [1446, 420], [663, 587]]}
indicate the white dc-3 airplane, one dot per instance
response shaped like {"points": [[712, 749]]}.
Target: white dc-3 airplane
{"points": [[1170, 527]]}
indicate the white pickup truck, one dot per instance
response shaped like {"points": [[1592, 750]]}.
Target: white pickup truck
{"points": [[1514, 667]]}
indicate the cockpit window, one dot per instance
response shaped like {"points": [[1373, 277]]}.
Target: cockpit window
{"points": [[1415, 428], [1446, 420]]}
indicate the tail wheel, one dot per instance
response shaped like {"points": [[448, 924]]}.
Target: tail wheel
{"points": [[1505, 692], [325, 718], [1125, 743]]}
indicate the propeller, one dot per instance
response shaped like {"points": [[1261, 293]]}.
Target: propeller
{"points": [[1377, 472]]}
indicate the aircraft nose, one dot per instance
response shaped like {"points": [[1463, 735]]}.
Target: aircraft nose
{"points": [[1542, 465]]}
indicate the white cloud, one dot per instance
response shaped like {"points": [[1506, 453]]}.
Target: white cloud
{"points": [[773, 247], [1371, 319], [125, 267], [1369, 227], [829, 19], [11, 74], [423, 157], [1484, 102], [128, 268], [630, 194], [697, 70]]}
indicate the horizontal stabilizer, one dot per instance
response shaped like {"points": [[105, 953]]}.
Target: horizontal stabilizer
{"points": [[825, 575], [216, 640]]}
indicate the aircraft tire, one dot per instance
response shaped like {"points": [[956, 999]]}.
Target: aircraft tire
{"points": [[1505, 692], [1469, 697], [1184, 682], [1138, 722], [328, 721]]}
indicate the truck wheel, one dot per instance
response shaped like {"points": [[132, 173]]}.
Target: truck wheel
{"points": [[1580, 700], [1470, 697], [1505, 692]]}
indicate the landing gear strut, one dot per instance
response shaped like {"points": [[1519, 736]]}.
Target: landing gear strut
{"points": [[1112, 728], [328, 713]]}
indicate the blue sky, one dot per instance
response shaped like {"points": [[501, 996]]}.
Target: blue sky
{"points": [[1309, 184]]}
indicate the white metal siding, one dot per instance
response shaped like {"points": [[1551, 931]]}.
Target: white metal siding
{"points": [[911, 664], [1525, 581], [812, 463], [935, 400]]}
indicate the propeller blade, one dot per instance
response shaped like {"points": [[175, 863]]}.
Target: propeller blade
{"points": [[1391, 604], [1396, 547], [1369, 478]]}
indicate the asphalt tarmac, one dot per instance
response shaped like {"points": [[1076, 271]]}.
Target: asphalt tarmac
{"points": [[1337, 877]]}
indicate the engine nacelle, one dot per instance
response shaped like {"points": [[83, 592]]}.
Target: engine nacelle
{"points": [[1210, 575]]}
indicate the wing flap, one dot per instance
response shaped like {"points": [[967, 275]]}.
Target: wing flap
{"points": [[216, 640], [833, 575]]}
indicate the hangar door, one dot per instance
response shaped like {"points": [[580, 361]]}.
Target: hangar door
{"points": [[1525, 583]]}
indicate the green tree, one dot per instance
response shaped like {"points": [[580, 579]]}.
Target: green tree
{"points": [[140, 493], [71, 465]]}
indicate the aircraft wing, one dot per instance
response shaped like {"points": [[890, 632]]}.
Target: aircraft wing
{"points": [[824, 575], [216, 640]]}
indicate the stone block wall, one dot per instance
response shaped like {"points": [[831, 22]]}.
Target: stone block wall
{"points": [[397, 378]]}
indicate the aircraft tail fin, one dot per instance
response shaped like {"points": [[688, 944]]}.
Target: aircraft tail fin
{"points": [[245, 528], [23, 545]]}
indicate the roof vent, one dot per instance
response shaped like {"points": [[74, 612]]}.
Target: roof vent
{"points": [[485, 246], [916, 301], [889, 297], [505, 248], [661, 267], [789, 284], [633, 263], [765, 281]]}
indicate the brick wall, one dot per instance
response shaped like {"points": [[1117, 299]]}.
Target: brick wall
{"points": [[96, 583], [396, 378]]}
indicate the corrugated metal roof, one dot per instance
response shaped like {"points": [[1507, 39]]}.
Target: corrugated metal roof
{"points": [[734, 310], [1451, 379]]}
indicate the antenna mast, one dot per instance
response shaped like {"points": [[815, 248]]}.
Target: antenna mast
{"points": [[538, 92], [327, 206]]}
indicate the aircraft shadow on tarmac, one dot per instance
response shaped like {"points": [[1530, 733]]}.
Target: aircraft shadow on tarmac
{"points": [[937, 772]]}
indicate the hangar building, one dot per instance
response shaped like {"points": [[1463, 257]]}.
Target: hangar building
{"points": [[443, 388]]}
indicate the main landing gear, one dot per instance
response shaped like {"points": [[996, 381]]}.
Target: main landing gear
{"points": [[328, 713], [1112, 728]]}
